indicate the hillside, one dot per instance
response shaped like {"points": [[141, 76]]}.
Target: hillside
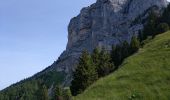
{"points": [[105, 24], [32, 88], [143, 76]]}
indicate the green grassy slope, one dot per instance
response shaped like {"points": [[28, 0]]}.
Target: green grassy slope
{"points": [[143, 76]]}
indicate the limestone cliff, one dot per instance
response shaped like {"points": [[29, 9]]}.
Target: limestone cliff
{"points": [[103, 24]]}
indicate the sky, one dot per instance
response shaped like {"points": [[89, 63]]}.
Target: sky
{"points": [[33, 33]]}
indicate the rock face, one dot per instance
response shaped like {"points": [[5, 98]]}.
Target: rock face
{"points": [[103, 24]]}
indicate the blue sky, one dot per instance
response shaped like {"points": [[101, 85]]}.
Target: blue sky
{"points": [[33, 33]]}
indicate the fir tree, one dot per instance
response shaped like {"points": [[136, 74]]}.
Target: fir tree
{"points": [[125, 49], [58, 93], [134, 44], [1, 97], [117, 55], [105, 65], [166, 15], [141, 36], [150, 27], [67, 94], [84, 75], [96, 57], [113, 55], [42, 93]]}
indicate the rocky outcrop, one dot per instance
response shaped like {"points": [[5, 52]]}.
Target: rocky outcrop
{"points": [[103, 24]]}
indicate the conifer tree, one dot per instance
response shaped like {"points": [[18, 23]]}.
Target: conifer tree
{"points": [[166, 15], [118, 56], [58, 93], [150, 27], [45, 93], [42, 93], [96, 57], [67, 94], [141, 36], [113, 53], [105, 64], [125, 49], [1, 97], [84, 75], [134, 44]]}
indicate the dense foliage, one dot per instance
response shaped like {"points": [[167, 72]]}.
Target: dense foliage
{"points": [[143, 76], [104, 61], [156, 24], [166, 16], [99, 64], [84, 75], [61, 93], [33, 88], [91, 67], [104, 65]]}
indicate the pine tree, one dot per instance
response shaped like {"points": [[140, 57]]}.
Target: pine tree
{"points": [[141, 36], [96, 57], [1, 97], [134, 44], [42, 93], [67, 94], [58, 93], [113, 55], [150, 27], [166, 15], [105, 64], [125, 49], [84, 75], [118, 56]]}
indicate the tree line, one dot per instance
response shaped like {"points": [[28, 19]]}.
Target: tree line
{"points": [[100, 63], [156, 24], [90, 68]]}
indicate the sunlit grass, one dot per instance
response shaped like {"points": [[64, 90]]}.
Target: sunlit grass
{"points": [[143, 76]]}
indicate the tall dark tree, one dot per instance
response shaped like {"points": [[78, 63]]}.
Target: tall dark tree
{"points": [[113, 55], [105, 64], [84, 75], [117, 55], [134, 44], [125, 49], [1, 97], [96, 57], [45, 93], [150, 27], [42, 93], [166, 15], [58, 93], [67, 94], [141, 36]]}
